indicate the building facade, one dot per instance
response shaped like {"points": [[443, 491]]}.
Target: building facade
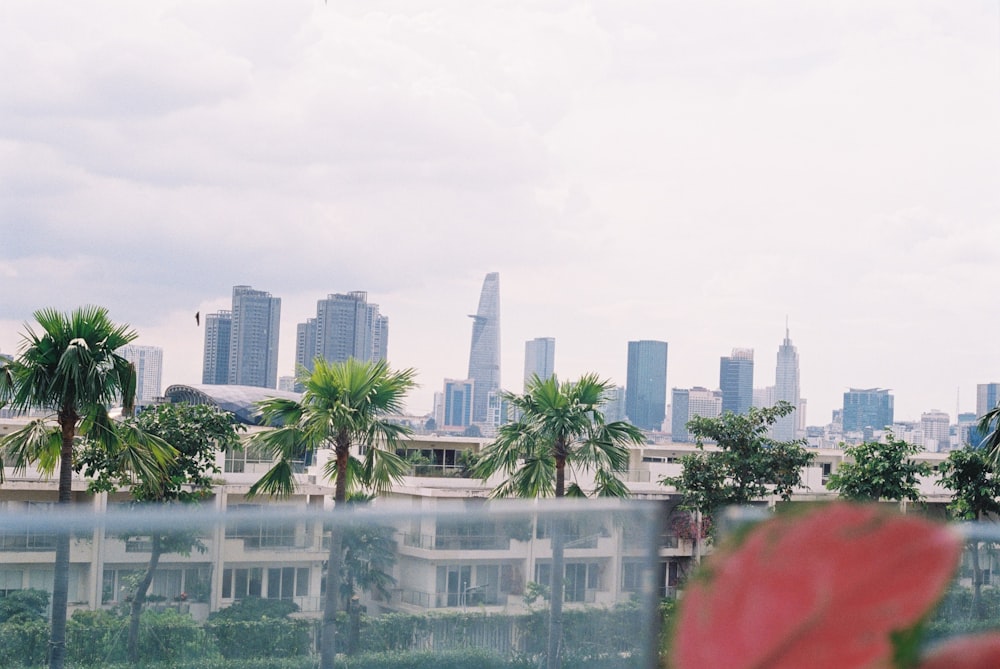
{"points": [[484, 351], [686, 403], [539, 359], [459, 400], [870, 408], [646, 384], [253, 347], [148, 364], [935, 426], [218, 334], [346, 326], [736, 380], [987, 397]]}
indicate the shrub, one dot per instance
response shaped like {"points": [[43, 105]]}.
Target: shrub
{"points": [[23, 642], [255, 608], [278, 637]]}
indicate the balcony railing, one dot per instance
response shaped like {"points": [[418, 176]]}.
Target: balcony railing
{"points": [[457, 543]]}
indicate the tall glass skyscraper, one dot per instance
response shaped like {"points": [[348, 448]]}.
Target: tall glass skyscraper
{"points": [[736, 381], [484, 353], [786, 388], [539, 359], [646, 384], [253, 347]]}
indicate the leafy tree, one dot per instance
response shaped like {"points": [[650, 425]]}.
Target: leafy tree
{"points": [[975, 487], [196, 432], [70, 367], [27, 604], [747, 466], [344, 404], [560, 427], [878, 471]]}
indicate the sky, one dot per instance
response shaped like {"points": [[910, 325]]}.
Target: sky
{"points": [[694, 172]]}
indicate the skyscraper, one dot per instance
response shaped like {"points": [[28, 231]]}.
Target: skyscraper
{"points": [[253, 347], [148, 363], [346, 326], [736, 380], [218, 332], [484, 353], [867, 407], [936, 428], [646, 384], [459, 396], [786, 388], [987, 396], [539, 359]]}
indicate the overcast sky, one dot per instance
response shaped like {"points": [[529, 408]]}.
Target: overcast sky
{"points": [[690, 171]]}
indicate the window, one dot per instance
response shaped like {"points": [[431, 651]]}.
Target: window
{"points": [[632, 576], [240, 583]]}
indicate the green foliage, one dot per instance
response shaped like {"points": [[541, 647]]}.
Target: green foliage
{"points": [[23, 642], [344, 404], [29, 604], [747, 466], [975, 487], [97, 638], [277, 637], [880, 472], [561, 426], [254, 609]]}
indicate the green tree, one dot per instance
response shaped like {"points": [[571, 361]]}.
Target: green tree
{"points": [[70, 366], [344, 404], [975, 487], [747, 464], [560, 427], [196, 432], [369, 553], [880, 471]]}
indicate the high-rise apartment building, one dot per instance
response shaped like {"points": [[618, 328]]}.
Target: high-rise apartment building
{"points": [[148, 364], [253, 342], [459, 397], [987, 397], [736, 380], [867, 408], [646, 384], [686, 403], [786, 389], [484, 353], [218, 333], [346, 326], [539, 359], [936, 429]]}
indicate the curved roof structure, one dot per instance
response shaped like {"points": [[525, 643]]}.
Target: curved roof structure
{"points": [[238, 400]]}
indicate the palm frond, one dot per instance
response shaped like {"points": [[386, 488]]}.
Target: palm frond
{"points": [[278, 481], [39, 442]]}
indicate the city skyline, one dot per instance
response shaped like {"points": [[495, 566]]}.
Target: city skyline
{"points": [[685, 172]]}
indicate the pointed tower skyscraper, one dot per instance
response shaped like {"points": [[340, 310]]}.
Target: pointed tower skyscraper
{"points": [[786, 387], [484, 354]]}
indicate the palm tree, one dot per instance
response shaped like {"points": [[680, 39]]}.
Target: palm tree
{"points": [[560, 427], [70, 367], [343, 404], [989, 426]]}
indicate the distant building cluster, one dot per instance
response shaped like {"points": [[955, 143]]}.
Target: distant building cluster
{"points": [[241, 349]]}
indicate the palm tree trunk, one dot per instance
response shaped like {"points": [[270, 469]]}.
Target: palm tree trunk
{"points": [[553, 652], [60, 585], [135, 612], [328, 632]]}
